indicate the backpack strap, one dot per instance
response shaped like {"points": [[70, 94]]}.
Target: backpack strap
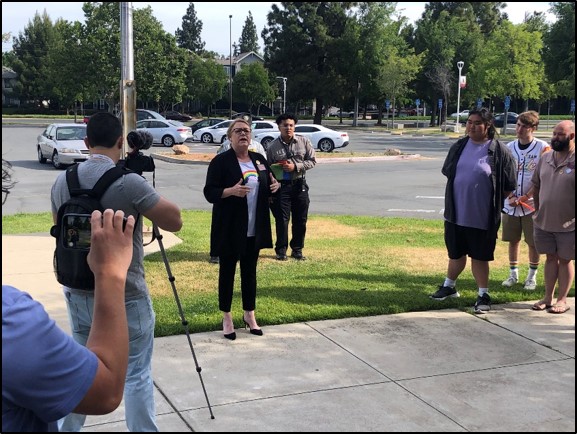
{"points": [[72, 181], [107, 179], [101, 185]]}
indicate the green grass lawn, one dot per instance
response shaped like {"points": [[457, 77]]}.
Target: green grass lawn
{"points": [[357, 266]]}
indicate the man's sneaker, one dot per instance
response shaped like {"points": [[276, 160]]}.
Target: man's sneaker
{"points": [[530, 285], [444, 292], [214, 260], [483, 304], [509, 282]]}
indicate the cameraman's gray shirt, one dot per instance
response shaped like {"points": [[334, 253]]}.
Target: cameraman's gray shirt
{"points": [[131, 193]]}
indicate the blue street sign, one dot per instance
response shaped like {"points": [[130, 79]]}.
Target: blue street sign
{"points": [[440, 102], [507, 102], [387, 103], [572, 106], [479, 103], [418, 102]]}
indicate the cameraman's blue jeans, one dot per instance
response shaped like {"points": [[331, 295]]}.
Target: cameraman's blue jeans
{"points": [[139, 389]]}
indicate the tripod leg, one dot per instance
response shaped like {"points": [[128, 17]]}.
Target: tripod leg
{"points": [[183, 320]]}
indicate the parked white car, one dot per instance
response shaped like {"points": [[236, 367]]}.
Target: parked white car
{"points": [[462, 115], [63, 144], [263, 127], [214, 134], [165, 132], [322, 138], [254, 147]]}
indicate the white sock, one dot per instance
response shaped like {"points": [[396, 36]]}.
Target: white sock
{"points": [[483, 291], [532, 275], [450, 283]]}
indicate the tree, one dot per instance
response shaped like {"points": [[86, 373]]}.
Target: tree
{"points": [[32, 50], [559, 53], [510, 64], [302, 42], [251, 84], [189, 36], [205, 80], [249, 38], [445, 38], [159, 65], [485, 16], [68, 79]]}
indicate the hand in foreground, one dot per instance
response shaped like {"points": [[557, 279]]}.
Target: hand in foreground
{"points": [[111, 246], [274, 184]]}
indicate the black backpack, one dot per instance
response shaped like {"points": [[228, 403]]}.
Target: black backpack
{"points": [[72, 228]]}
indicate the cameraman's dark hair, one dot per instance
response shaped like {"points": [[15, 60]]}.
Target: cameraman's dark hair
{"points": [[285, 116], [103, 130], [487, 118]]}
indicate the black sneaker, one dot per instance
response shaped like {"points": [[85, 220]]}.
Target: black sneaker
{"points": [[444, 292], [483, 304], [214, 260], [281, 257]]}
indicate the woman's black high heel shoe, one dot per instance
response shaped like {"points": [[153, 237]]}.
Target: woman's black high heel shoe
{"points": [[256, 332], [231, 336]]}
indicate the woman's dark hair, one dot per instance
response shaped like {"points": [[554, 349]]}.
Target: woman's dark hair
{"points": [[488, 120]]}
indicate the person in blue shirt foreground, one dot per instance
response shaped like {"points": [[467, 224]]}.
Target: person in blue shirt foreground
{"points": [[45, 373]]}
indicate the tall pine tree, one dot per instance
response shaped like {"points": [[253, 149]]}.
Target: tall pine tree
{"points": [[249, 38], [189, 36]]}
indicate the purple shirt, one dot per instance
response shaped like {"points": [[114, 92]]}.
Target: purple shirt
{"points": [[472, 187], [45, 373]]}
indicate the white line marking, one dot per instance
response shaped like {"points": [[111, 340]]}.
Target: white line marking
{"points": [[411, 210], [430, 197]]}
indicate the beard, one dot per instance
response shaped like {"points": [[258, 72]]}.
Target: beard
{"points": [[560, 145]]}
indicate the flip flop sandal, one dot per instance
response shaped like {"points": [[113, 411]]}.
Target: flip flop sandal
{"points": [[541, 305], [562, 308]]}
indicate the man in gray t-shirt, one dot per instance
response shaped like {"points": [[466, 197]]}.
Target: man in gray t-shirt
{"points": [[132, 194]]}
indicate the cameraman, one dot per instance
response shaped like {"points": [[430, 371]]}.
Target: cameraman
{"points": [[132, 194]]}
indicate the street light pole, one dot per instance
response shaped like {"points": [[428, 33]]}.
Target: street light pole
{"points": [[230, 64], [460, 65], [284, 79]]}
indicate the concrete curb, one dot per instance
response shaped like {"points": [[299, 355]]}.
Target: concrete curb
{"points": [[171, 159]]}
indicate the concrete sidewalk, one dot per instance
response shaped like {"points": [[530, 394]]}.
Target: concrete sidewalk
{"points": [[510, 370]]}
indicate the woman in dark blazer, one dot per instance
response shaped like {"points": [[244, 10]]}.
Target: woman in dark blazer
{"points": [[238, 184]]}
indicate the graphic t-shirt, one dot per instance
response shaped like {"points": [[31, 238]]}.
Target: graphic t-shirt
{"points": [[250, 178]]}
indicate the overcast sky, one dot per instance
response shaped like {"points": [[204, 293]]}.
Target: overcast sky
{"points": [[214, 17]]}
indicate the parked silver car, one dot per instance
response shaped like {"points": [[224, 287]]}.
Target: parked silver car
{"points": [[165, 132], [63, 144]]}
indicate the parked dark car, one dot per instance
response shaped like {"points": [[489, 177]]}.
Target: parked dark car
{"points": [[511, 119], [176, 116], [206, 123]]}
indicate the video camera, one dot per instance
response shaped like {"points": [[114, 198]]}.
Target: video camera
{"points": [[136, 160]]}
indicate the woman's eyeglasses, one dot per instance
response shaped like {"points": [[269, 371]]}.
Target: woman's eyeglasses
{"points": [[241, 131]]}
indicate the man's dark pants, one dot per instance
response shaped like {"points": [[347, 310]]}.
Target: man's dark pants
{"points": [[292, 197]]}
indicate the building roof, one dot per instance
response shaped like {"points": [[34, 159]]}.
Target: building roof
{"points": [[238, 59], [8, 73]]}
